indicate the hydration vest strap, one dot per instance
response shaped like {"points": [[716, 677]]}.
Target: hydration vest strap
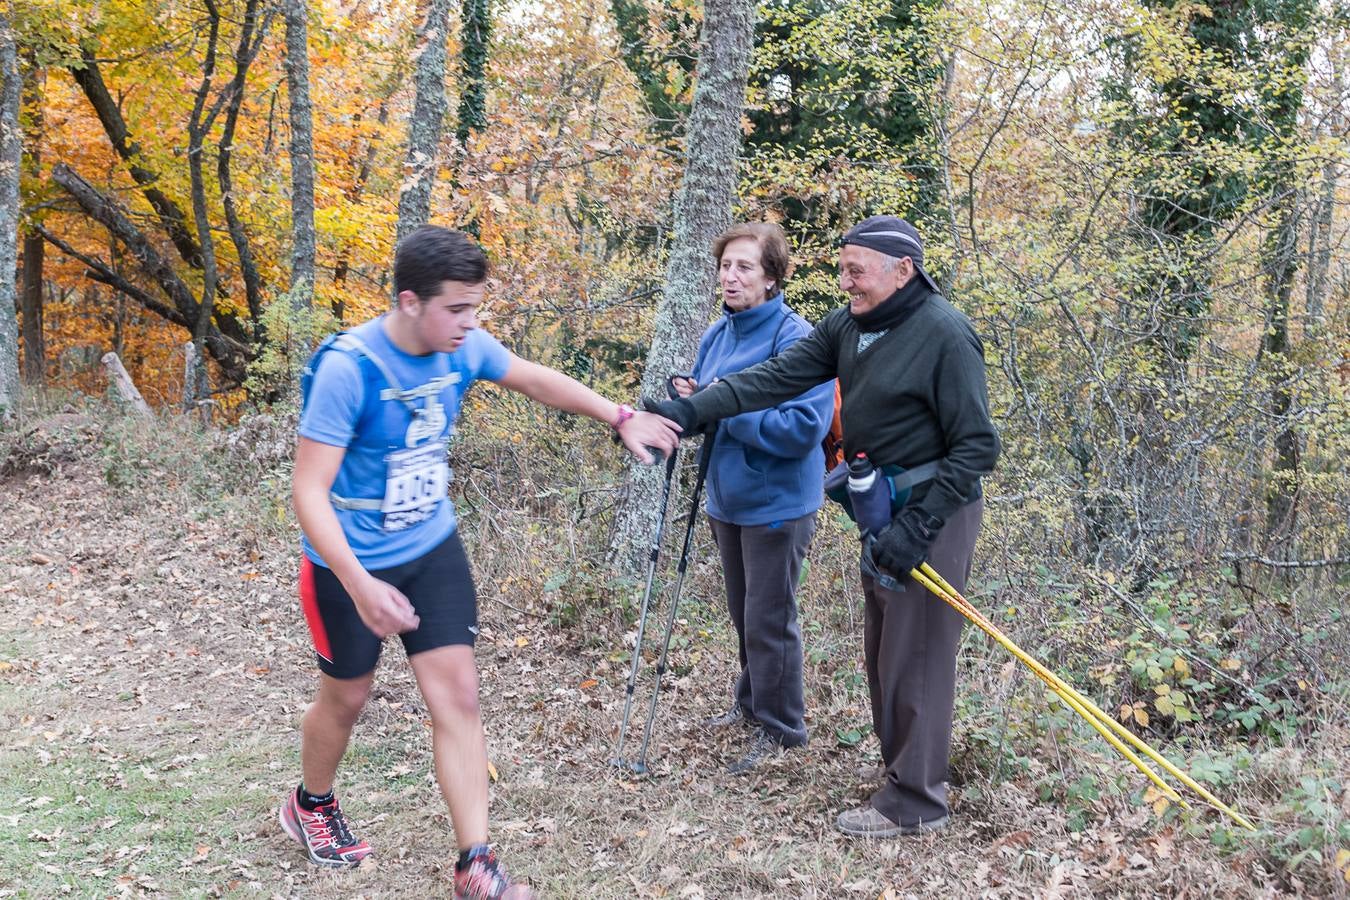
{"points": [[366, 503], [349, 341]]}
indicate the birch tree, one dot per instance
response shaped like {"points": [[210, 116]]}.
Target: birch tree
{"points": [[302, 153], [427, 123], [11, 149], [702, 211]]}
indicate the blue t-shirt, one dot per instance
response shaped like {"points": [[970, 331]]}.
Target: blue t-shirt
{"points": [[378, 433]]}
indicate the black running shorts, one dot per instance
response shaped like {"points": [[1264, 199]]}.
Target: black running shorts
{"points": [[439, 585]]}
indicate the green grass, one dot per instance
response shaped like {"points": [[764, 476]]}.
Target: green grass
{"points": [[90, 819]]}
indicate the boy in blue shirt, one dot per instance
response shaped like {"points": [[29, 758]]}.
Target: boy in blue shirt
{"points": [[382, 554]]}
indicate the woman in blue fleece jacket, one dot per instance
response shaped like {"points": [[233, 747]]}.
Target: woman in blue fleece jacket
{"points": [[764, 487]]}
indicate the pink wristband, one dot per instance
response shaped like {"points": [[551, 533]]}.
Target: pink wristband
{"points": [[625, 413]]}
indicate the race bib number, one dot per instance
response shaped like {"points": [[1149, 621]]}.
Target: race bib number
{"points": [[415, 484]]}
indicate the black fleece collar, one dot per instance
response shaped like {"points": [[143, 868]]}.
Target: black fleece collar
{"points": [[895, 309]]}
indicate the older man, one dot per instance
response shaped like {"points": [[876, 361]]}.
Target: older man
{"points": [[911, 372]]}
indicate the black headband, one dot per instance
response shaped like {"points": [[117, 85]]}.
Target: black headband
{"points": [[892, 243]]}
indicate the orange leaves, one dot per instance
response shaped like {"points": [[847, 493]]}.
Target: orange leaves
{"points": [[564, 171]]}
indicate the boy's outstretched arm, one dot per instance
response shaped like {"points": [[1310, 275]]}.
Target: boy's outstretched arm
{"points": [[640, 433]]}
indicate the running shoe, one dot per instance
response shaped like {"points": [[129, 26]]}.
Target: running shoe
{"points": [[482, 878], [324, 833]]}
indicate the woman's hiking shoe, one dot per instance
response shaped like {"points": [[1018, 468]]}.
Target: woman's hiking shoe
{"points": [[324, 833], [762, 748], [866, 822], [871, 772], [478, 876], [734, 716]]}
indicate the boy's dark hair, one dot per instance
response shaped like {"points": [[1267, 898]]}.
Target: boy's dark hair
{"points": [[431, 255]]}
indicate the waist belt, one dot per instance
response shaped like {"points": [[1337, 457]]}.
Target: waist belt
{"points": [[902, 483], [913, 477]]}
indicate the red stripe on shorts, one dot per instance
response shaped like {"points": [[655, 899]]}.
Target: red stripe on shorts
{"points": [[310, 603]]}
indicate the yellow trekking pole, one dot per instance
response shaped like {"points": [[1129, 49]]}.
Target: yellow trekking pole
{"points": [[1074, 703], [929, 578]]}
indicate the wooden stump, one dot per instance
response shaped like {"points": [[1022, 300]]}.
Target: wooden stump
{"points": [[126, 388]]}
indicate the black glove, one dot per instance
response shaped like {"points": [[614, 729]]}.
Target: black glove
{"points": [[670, 383], [903, 544], [679, 411]]}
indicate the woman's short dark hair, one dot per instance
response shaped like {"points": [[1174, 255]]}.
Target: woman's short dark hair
{"points": [[431, 255], [773, 248]]}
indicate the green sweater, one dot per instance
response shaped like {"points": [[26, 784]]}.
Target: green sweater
{"points": [[916, 394]]}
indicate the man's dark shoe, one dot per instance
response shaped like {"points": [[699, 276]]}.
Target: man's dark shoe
{"points": [[734, 716], [762, 748], [866, 822]]}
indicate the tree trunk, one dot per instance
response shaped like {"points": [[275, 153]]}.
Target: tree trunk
{"points": [[11, 151], [233, 98], [34, 345], [1323, 213], [475, 28], [702, 211], [302, 154], [942, 126], [1282, 491], [197, 127], [428, 121], [120, 379]]}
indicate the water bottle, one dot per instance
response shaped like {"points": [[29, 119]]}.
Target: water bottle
{"points": [[870, 493]]}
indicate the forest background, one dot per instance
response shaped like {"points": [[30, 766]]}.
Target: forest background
{"points": [[1141, 205]]}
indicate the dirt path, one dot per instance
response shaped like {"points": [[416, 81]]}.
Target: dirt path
{"points": [[153, 666]]}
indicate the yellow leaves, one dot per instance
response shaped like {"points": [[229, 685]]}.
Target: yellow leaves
{"points": [[522, 641], [1343, 863], [1156, 800], [1135, 712], [1230, 664], [492, 771]]}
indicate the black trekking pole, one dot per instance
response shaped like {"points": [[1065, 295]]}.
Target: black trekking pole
{"points": [[618, 759], [641, 766]]}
